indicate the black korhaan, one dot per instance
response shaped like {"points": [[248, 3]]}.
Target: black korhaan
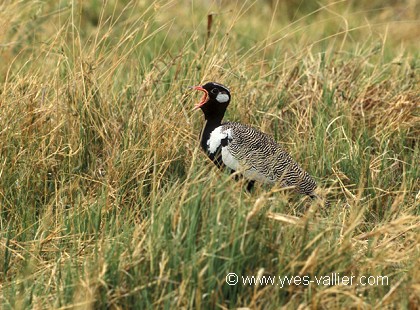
{"points": [[252, 153]]}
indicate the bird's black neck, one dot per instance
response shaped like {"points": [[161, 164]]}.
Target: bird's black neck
{"points": [[210, 124]]}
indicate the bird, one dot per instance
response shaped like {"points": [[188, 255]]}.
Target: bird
{"points": [[243, 149]]}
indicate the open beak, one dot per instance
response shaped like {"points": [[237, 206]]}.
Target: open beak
{"points": [[204, 99]]}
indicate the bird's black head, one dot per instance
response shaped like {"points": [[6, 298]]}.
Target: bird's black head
{"points": [[215, 100]]}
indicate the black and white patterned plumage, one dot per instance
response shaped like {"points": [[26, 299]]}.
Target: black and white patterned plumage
{"points": [[254, 154], [257, 156]]}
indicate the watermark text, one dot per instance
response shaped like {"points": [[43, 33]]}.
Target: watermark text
{"points": [[322, 280]]}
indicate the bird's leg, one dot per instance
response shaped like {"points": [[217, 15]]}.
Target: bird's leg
{"points": [[250, 185], [238, 177], [322, 199]]}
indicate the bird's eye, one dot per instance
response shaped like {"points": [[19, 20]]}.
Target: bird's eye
{"points": [[215, 91]]}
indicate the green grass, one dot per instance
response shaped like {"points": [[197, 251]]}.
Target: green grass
{"points": [[106, 201]]}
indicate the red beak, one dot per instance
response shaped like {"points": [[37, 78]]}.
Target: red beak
{"points": [[204, 99]]}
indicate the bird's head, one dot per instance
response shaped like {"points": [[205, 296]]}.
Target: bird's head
{"points": [[215, 100]]}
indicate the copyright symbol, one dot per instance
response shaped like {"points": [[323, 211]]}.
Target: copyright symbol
{"points": [[231, 278]]}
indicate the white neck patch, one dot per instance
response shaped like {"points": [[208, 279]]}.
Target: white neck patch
{"points": [[222, 98], [216, 137]]}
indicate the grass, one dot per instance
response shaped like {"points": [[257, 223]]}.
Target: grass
{"points": [[106, 200]]}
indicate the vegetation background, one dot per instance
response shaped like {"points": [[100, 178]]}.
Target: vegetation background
{"points": [[106, 200]]}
